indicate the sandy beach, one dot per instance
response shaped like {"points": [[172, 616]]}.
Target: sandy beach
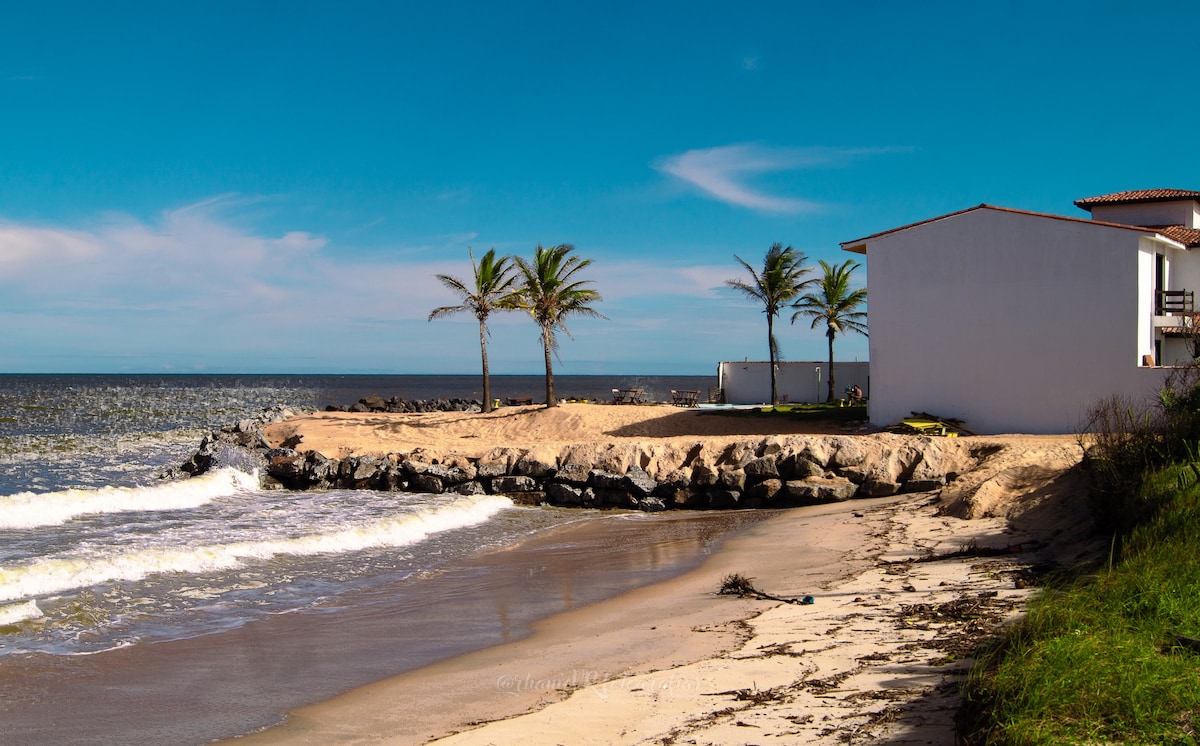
{"points": [[902, 588]]}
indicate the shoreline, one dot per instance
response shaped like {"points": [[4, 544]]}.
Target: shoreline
{"points": [[651, 628], [880, 652]]}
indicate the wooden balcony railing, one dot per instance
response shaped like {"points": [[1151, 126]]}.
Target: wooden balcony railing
{"points": [[1174, 301]]}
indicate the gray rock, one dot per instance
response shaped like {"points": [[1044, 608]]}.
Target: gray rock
{"points": [[638, 482], [856, 474], [573, 473], [765, 490], [677, 480], [704, 475], [603, 480], [691, 498], [559, 493], [374, 403], [848, 452], [820, 490], [534, 497], [532, 467], [614, 498], [721, 498], [469, 488], [761, 468], [798, 466], [426, 483], [322, 470], [510, 485], [362, 468], [923, 485], [732, 479], [490, 469], [412, 466], [291, 470], [651, 504]]}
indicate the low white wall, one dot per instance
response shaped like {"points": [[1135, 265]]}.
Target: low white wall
{"points": [[800, 382]]}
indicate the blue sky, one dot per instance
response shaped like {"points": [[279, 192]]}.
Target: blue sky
{"points": [[271, 186]]}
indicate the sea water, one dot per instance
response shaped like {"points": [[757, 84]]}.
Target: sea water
{"points": [[98, 551], [139, 609]]}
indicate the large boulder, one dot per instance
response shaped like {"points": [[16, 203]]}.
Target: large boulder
{"points": [[816, 490], [638, 482], [513, 484]]}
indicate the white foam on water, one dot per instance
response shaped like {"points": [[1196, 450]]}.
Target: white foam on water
{"points": [[33, 509], [63, 572], [19, 612]]}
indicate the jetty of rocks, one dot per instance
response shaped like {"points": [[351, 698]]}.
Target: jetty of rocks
{"points": [[772, 471]]}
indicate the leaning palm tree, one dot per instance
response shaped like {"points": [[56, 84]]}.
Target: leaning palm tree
{"points": [[835, 305], [777, 284], [551, 293], [492, 290]]}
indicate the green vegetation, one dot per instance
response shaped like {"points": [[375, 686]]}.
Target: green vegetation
{"points": [[835, 306], [551, 292], [490, 290], [1113, 656], [775, 286]]}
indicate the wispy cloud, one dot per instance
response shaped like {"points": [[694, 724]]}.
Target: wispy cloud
{"points": [[726, 173], [193, 263]]}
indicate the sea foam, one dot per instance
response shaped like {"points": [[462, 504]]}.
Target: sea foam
{"points": [[64, 572], [20, 612], [33, 509]]}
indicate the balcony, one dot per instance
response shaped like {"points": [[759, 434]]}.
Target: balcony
{"points": [[1174, 302]]}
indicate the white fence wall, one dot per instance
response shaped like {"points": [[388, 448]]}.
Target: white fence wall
{"points": [[799, 382]]}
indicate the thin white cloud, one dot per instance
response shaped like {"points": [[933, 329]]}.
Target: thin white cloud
{"points": [[726, 173]]}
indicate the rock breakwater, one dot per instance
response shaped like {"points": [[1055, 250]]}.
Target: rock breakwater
{"points": [[772, 471]]}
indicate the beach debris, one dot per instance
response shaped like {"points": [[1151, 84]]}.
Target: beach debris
{"points": [[923, 423], [736, 584]]}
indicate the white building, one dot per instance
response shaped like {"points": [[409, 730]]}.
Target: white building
{"points": [[1017, 321], [749, 382]]}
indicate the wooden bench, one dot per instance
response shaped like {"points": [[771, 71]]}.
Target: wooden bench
{"points": [[519, 401]]}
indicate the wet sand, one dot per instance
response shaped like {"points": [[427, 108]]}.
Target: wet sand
{"points": [[653, 628], [223, 685]]}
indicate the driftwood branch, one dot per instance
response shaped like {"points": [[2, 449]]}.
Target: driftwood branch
{"points": [[741, 586]]}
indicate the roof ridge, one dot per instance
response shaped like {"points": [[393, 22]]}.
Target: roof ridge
{"points": [[1136, 196]]}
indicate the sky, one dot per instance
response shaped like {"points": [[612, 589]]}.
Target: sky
{"points": [[271, 187]]}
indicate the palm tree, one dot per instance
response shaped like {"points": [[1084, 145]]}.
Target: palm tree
{"points": [[777, 284], [836, 306], [550, 292], [492, 291]]}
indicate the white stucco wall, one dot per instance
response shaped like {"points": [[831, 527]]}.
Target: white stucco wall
{"points": [[1180, 212], [1012, 322], [800, 382]]}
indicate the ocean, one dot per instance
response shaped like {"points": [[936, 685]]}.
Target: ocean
{"points": [[119, 587]]}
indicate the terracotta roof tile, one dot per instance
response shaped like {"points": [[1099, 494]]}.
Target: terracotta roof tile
{"points": [[1137, 195], [1189, 237]]}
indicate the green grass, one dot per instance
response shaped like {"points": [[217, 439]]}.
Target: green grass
{"points": [[1097, 660]]}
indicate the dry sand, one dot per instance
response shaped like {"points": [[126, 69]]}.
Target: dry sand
{"points": [[338, 434], [877, 657]]}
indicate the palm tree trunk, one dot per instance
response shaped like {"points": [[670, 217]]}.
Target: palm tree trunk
{"points": [[487, 383], [829, 335], [551, 401], [771, 357]]}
